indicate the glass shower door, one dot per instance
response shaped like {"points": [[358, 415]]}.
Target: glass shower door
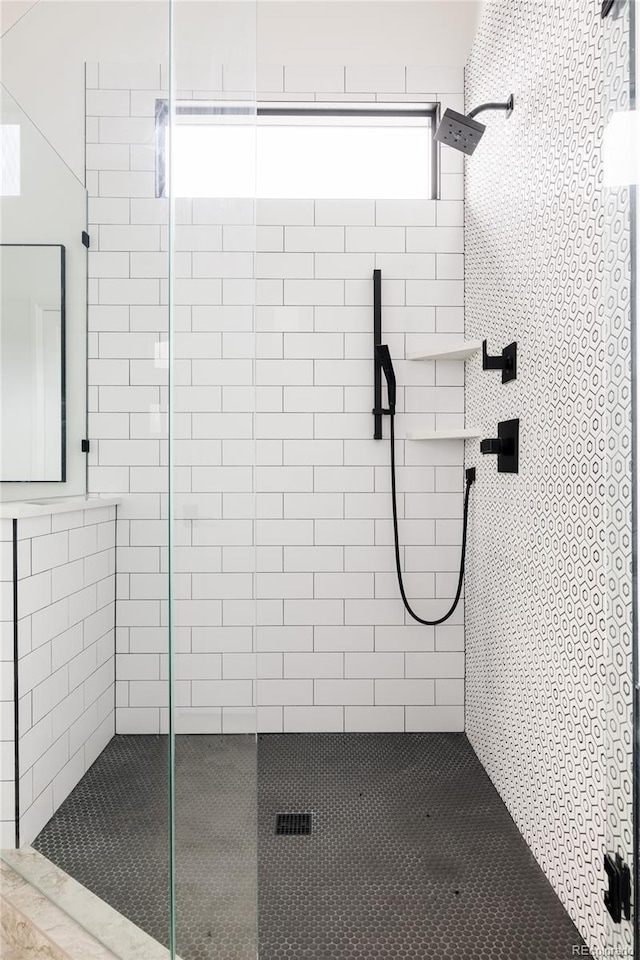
{"points": [[209, 129], [80, 84]]}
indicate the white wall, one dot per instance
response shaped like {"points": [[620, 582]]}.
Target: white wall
{"points": [[52, 209], [7, 698], [435, 32], [65, 683], [536, 586], [50, 86], [283, 543]]}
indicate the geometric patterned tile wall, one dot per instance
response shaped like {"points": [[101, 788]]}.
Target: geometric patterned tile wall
{"points": [[616, 64], [536, 586]]}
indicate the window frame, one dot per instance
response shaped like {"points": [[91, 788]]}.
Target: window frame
{"points": [[365, 109]]}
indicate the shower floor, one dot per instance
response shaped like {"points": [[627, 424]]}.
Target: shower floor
{"points": [[412, 853]]}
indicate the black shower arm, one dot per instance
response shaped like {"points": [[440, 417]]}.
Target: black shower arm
{"points": [[507, 107]]}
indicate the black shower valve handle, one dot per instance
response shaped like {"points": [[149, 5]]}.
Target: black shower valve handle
{"points": [[498, 445], [505, 446], [493, 445]]}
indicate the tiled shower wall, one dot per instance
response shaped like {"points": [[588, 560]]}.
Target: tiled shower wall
{"points": [[535, 629], [65, 665], [7, 733], [619, 292], [283, 538]]}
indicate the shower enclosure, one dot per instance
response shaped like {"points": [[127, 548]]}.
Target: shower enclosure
{"points": [[288, 765], [278, 636], [215, 558]]}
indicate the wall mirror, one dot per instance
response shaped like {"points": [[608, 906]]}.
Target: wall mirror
{"points": [[32, 362]]}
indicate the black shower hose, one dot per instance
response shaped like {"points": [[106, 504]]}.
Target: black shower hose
{"points": [[428, 623]]}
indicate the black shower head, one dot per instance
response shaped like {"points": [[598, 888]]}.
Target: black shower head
{"points": [[461, 131], [458, 131], [384, 357]]}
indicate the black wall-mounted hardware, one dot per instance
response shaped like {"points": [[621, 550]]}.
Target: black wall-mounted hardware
{"points": [[382, 352], [617, 899], [491, 446], [505, 445], [85, 446], [607, 7], [506, 361], [86, 239], [507, 107], [377, 411]]}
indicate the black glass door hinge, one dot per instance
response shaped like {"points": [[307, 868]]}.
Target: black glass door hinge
{"points": [[86, 239], [617, 899], [86, 446]]}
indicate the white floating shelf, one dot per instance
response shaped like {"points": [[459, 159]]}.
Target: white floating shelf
{"points": [[468, 433], [460, 351]]}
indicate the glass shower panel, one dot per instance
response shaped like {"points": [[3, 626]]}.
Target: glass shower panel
{"points": [[620, 154], [43, 338], [80, 84], [209, 130], [43, 360]]}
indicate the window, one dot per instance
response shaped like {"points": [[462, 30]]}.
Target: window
{"points": [[316, 151]]}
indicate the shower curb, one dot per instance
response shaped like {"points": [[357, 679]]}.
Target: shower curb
{"points": [[45, 909], [32, 926]]}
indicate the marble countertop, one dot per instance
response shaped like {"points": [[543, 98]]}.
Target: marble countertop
{"points": [[16, 509], [87, 913]]}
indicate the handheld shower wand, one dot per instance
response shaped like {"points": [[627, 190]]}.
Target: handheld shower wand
{"points": [[383, 355], [382, 351]]}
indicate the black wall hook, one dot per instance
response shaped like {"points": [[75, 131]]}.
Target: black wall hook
{"points": [[506, 361]]}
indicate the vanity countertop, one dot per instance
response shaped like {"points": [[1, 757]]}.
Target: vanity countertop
{"points": [[42, 508]]}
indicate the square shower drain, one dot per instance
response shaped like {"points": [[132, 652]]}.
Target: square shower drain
{"points": [[293, 824]]}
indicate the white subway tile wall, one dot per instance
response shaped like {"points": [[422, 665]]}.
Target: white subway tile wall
{"points": [[66, 659], [282, 537], [7, 728]]}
